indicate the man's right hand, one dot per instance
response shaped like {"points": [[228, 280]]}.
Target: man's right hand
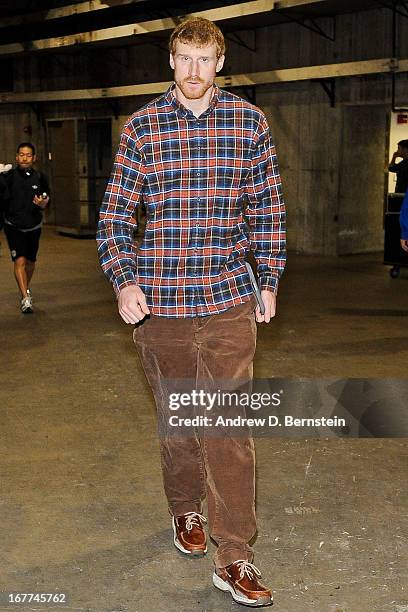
{"points": [[395, 156], [132, 304], [404, 244]]}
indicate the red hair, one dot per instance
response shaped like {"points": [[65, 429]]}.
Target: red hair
{"points": [[199, 32]]}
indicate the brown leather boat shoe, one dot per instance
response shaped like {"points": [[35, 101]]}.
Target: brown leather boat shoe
{"points": [[241, 580], [189, 534]]}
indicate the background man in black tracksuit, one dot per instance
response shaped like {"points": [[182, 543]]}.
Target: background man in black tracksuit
{"points": [[400, 168], [24, 193]]}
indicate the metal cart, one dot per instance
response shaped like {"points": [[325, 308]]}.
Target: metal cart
{"points": [[394, 255]]}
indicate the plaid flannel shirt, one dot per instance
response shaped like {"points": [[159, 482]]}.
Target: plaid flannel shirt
{"points": [[212, 192]]}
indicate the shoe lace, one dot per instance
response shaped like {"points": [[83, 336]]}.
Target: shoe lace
{"points": [[247, 569], [192, 520]]}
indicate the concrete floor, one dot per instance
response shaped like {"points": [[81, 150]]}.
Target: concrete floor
{"points": [[81, 504]]}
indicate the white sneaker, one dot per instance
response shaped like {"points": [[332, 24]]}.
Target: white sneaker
{"points": [[27, 305]]}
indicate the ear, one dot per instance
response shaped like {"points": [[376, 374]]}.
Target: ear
{"points": [[220, 63], [171, 61]]}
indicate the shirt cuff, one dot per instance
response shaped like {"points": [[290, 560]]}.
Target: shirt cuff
{"points": [[125, 280], [268, 283]]}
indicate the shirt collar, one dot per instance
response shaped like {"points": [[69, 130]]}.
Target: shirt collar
{"points": [[26, 171], [170, 97]]}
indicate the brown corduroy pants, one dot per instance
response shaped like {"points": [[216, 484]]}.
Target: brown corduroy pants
{"points": [[220, 467]]}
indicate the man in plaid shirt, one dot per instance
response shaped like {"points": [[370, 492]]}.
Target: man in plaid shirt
{"points": [[203, 163]]}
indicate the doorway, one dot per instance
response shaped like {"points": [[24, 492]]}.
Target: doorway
{"points": [[80, 160]]}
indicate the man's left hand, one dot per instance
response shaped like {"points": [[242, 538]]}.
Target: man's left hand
{"points": [[269, 300], [404, 244], [41, 202]]}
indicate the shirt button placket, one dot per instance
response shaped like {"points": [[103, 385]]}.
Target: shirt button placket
{"points": [[197, 173]]}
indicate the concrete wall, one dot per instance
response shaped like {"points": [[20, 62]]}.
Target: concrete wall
{"points": [[306, 131], [331, 159]]}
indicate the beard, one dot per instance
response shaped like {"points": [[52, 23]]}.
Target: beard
{"points": [[196, 91]]}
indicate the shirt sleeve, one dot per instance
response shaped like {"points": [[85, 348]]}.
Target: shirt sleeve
{"points": [[2, 199], [2, 187], [117, 224], [45, 186], [403, 219], [266, 212], [393, 167]]}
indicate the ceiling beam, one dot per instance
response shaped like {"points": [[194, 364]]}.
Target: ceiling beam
{"points": [[64, 11], [286, 75], [96, 5], [127, 31], [285, 4], [325, 71]]}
